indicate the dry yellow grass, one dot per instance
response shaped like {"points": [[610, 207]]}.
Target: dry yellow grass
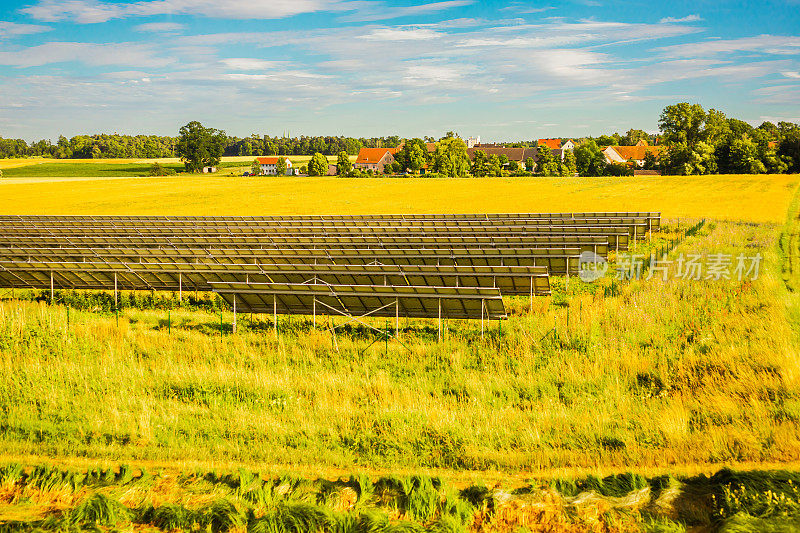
{"points": [[762, 198]]}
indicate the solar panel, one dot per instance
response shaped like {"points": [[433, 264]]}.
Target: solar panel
{"points": [[362, 300], [182, 276], [555, 259], [597, 244]]}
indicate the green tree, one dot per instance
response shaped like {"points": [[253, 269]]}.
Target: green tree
{"points": [[530, 164], [318, 166], [589, 159], [451, 157], [255, 168], [632, 137], [200, 147], [343, 164], [479, 164], [570, 163], [683, 123], [744, 157], [494, 166], [281, 166]]}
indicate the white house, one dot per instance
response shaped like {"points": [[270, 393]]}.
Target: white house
{"points": [[269, 166]]}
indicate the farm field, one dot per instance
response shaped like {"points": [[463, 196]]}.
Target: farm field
{"points": [[672, 381], [94, 168], [757, 198]]}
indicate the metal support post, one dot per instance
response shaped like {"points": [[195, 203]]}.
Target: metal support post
{"points": [[440, 320], [180, 287], [52, 289], [234, 313], [315, 313], [115, 290]]}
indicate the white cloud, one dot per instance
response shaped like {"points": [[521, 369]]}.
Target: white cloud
{"points": [[160, 27], [790, 74], [94, 11], [133, 54], [400, 34], [12, 29], [247, 63], [672, 20], [765, 44]]}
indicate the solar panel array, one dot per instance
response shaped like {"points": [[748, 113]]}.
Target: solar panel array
{"points": [[416, 266]]}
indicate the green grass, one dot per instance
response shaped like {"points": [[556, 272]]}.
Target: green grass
{"points": [[650, 373], [75, 170], [45, 498]]}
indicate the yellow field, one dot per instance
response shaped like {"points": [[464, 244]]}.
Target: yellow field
{"points": [[763, 198]]}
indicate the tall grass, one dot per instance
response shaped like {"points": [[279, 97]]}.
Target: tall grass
{"points": [[726, 501], [649, 373]]}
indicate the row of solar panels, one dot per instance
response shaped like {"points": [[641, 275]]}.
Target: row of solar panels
{"points": [[635, 227], [463, 264]]}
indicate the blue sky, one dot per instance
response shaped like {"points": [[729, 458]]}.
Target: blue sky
{"points": [[504, 70]]}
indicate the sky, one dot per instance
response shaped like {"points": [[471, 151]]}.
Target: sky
{"points": [[502, 70]]}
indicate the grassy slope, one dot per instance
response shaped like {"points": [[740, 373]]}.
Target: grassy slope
{"points": [[753, 198]]}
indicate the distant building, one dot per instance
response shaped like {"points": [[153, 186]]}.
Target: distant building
{"points": [[631, 154], [269, 166], [209, 170], [332, 169], [473, 141], [375, 159], [520, 155], [557, 146]]}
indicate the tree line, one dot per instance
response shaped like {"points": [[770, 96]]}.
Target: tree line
{"points": [[106, 146]]}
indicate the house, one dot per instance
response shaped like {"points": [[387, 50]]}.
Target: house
{"points": [[374, 159], [472, 142], [209, 170], [269, 166], [634, 154], [333, 169], [520, 155], [557, 146]]}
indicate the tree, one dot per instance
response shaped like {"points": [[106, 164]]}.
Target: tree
{"points": [[530, 164], [280, 167], [255, 168], [200, 147], [650, 161], [413, 156], [304, 169], [494, 166], [451, 157], [744, 157], [318, 166], [789, 149], [343, 164], [589, 159], [683, 123], [570, 163], [513, 166], [479, 164], [633, 137]]}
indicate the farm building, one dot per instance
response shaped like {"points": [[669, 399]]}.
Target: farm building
{"points": [[520, 155], [375, 159], [269, 166], [634, 154]]}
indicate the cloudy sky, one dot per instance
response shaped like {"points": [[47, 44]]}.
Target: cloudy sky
{"points": [[500, 69]]}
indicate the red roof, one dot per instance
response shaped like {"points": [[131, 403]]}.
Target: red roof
{"points": [[553, 144], [267, 160], [373, 156]]}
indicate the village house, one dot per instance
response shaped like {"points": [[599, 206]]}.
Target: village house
{"points": [[269, 166], [558, 148], [631, 154], [375, 159], [520, 155]]}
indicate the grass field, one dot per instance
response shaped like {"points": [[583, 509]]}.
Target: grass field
{"points": [[94, 168], [747, 197], [665, 379]]}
